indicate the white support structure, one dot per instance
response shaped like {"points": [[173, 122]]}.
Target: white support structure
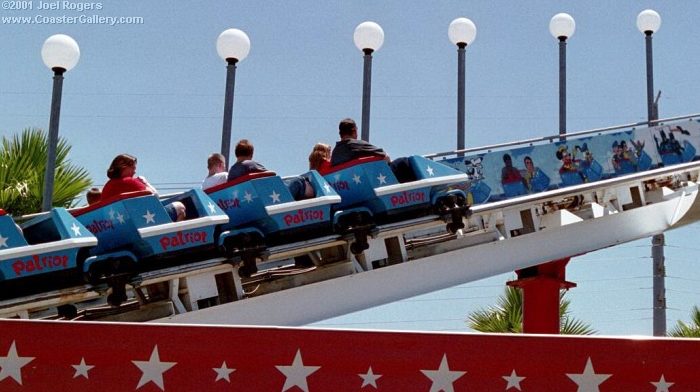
{"points": [[418, 256], [498, 240]]}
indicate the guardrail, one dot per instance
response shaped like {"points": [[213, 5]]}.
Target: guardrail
{"points": [[556, 137]]}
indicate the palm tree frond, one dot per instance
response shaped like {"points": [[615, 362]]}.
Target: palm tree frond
{"points": [[507, 316], [692, 330], [22, 167]]}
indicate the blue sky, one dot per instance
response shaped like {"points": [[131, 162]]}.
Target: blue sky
{"points": [[155, 90]]}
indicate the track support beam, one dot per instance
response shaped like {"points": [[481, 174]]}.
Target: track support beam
{"points": [[541, 286]]}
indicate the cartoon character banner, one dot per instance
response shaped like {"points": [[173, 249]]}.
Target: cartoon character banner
{"points": [[504, 174]]}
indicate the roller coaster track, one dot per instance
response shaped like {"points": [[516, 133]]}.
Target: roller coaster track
{"points": [[303, 282], [418, 256], [501, 237]]}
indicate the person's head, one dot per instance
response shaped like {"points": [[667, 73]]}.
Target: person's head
{"points": [[320, 153], [244, 150], [123, 165], [347, 129], [507, 160], [93, 195], [562, 153], [528, 163], [216, 163]]}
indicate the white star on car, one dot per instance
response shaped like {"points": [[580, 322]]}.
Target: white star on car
{"points": [[11, 365], [513, 380], [430, 171], [662, 385], [327, 187], [153, 369], [82, 369], [297, 373], [3, 241], [111, 213], [223, 372], [275, 197], [212, 207], [369, 378], [356, 178], [381, 178], [149, 217], [248, 197], [76, 229], [588, 381], [120, 217], [443, 377]]}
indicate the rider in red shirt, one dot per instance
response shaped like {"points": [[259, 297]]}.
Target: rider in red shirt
{"points": [[121, 180]]}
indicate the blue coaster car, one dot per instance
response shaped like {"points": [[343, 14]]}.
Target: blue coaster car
{"points": [[136, 234], [262, 213], [371, 194], [47, 253]]}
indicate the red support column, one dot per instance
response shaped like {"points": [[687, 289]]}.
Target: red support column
{"points": [[541, 285]]}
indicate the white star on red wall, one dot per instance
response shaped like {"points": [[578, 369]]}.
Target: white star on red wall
{"points": [[12, 364], [588, 381], [153, 369], [223, 372], [369, 378], [513, 380], [297, 373], [82, 369], [662, 385], [443, 377]]}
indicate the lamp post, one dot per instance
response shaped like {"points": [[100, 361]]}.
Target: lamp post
{"points": [[368, 37], [648, 22], [562, 27], [233, 45], [462, 33], [60, 53]]}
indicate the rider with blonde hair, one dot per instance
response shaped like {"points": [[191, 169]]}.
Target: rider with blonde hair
{"points": [[320, 157]]}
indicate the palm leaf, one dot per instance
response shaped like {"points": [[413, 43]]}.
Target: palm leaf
{"points": [[507, 316], [22, 167], [692, 330]]}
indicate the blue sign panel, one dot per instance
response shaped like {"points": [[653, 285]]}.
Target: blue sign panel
{"points": [[498, 175]]}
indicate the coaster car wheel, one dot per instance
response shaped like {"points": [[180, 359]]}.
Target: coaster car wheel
{"points": [[246, 248], [358, 247], [360, 224], [116, 272], [453, 208]]}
